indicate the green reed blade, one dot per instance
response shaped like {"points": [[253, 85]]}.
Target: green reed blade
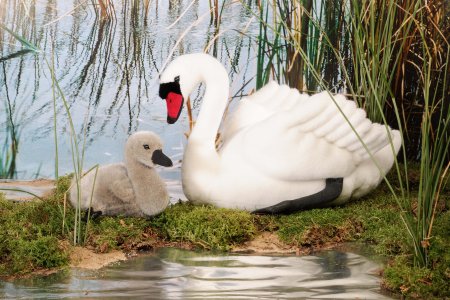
{"points": [[25, 43]]}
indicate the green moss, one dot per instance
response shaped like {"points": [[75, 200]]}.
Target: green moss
{"points": [[403, 277], [30, 234], [317, 227], [41, 252], [208, 227], [108, 233], [383, 227], [373, 220], [400, 276], [61, 187]]}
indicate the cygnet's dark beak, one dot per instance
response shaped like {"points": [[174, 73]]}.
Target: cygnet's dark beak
{"points": [[159, 158]]}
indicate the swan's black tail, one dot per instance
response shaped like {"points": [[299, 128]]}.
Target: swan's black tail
{"points": [[332, 190]]}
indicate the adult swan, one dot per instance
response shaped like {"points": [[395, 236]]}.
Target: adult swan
{"points": [[282, 151]]}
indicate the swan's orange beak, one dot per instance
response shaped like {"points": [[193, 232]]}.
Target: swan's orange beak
{"points": [[174, 103]]}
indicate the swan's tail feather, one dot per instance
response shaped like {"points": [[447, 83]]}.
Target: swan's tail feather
{"points": [[386, 155], [266, 94], [322, 118], [379, 139], [328, 129], [358, 117], [363, 129], [321, 115], [293, 98], [278, 100], [342, 128]]}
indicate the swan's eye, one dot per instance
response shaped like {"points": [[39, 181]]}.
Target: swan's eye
{"points": [[146, 147], [176, 79]]}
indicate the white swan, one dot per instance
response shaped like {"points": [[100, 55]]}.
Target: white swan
{"points": [[282, 151], [133, 188]]}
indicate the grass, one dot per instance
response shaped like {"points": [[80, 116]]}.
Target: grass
{"points": [[35, 238]]}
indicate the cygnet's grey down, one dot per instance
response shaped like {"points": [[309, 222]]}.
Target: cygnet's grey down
{"points": [[133, 188]]}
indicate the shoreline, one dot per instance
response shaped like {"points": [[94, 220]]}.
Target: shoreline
{"points": [[372, 222], [23, 190]]}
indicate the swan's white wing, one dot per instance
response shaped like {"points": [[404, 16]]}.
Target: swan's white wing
{"points": [[310, 139]]}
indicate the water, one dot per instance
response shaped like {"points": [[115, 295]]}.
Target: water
{"points": [[108, 71], [180, 274]]}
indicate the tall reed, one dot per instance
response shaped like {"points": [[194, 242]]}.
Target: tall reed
{"points": [[76, 147], [434, 85], [8, 155], [77, 151], [10, 148], [106, 9], [372, 43]]}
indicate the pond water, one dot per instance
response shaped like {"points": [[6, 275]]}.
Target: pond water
{"points": [[108, 71], [179, 274]]}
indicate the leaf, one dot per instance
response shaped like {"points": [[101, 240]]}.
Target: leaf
{"points": [[15, 54], [22, 40]]}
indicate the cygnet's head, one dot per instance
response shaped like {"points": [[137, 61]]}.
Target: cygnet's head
{"points": [[146, 148]]}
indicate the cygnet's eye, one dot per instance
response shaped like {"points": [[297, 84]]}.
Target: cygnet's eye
{"points": [[146, 147]]}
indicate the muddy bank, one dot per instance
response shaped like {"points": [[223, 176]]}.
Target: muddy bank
{"points": [[26, 190], [87, 259], [263, 244]]}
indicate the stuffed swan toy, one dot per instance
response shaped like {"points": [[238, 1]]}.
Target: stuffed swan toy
{"points": [[133, 188], [282, 151]]}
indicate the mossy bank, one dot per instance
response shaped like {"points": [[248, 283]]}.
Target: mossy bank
{"points": [[36, 235]]}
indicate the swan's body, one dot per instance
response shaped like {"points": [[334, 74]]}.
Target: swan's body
{"points": [[133, 188], [278, 145]]}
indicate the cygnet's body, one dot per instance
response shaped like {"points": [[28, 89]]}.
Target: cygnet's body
{"points": [[133, 188]]}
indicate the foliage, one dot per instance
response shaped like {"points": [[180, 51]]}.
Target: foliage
{"points": [[373, 220], [109, 233], [31, 233], [402, 276], [8, 154], [10, 148]]}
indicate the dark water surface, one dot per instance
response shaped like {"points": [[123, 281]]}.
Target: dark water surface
{"points": [[179, 274]]}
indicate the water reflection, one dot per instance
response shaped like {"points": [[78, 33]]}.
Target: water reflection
{"points": [[108, 69], [179, 274]]}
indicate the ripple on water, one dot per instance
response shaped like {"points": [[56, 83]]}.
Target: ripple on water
{"points": [[181, 274]]}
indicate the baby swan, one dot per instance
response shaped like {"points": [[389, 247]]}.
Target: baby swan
{"points": [[133, 188]]}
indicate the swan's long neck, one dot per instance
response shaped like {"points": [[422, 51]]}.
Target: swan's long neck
{"points": [[149, 189], [215, 78], [201, 160]]}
